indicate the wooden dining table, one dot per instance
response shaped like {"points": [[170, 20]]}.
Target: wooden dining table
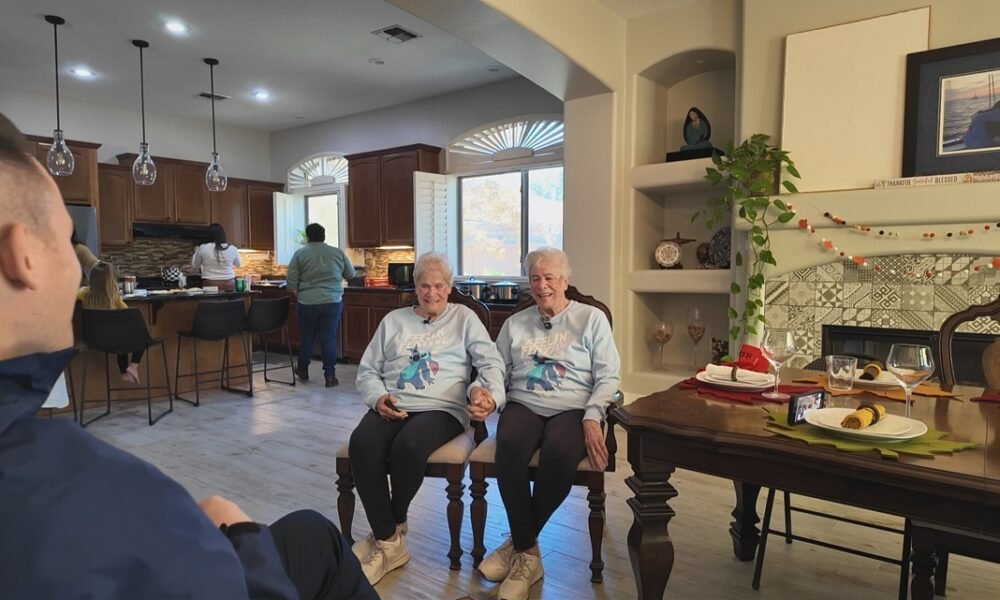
{"points": [[680, 428]]}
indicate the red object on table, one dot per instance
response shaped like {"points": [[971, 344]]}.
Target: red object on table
{"points": [[743, 397], [988, 396], [751, 359]]}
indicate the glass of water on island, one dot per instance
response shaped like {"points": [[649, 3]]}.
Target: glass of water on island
{"points": [[911, 365], [777, 347]]}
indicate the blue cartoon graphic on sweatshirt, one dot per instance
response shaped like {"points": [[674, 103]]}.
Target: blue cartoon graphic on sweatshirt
{"points": [[420, 372], [546, 373]]}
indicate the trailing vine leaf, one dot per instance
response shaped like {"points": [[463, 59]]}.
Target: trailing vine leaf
{"points": [[751, 173]]}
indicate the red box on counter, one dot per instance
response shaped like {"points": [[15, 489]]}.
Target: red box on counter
{"points": [[377, 282]]}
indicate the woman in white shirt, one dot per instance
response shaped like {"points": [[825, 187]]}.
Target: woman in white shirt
{"points": [[216, 259]]}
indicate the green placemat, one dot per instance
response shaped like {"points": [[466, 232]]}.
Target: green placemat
{"points": [[927, 445]]}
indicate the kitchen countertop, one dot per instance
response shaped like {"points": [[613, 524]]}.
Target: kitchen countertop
{"points": [[187, 296]]}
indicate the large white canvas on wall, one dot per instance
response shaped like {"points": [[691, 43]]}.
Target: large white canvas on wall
{"points": [[844, 92]]}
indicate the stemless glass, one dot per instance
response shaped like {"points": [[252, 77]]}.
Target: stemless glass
{"points": [[911, 365], [696, 329], [777, 347], [663, 332]]}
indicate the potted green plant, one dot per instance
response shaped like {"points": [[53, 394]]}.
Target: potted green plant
{"points": [[751, 173]]}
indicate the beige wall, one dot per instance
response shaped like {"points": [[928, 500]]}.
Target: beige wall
{"points": [[767, 22]]}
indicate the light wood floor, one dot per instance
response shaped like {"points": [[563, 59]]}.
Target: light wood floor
{"points": [[274, 453]]}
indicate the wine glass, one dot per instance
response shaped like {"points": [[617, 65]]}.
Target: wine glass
{"points": [[663, 332], [777, 347], [696, 329], [910, 364]]}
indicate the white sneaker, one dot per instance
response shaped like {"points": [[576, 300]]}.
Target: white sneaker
{"points": [[525, 571], [496, 565], [384, 558], [362, 548]]}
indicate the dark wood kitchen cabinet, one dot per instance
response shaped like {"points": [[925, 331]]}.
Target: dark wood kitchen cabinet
{"points": [[115, 185], [380, 195], [364, 309], [81, 187], [229, 209], [260, 197], [192, 200], [154, 203]]}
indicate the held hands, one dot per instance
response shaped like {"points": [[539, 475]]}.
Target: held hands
{"points": [[386, 408], [223, 512], [593, 439], [481, 404]]}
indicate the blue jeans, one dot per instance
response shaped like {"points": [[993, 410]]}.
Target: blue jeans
{"points": [[319, 320]]}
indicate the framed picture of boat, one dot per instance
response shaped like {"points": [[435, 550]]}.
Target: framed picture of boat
{"points": [[951, 121]]}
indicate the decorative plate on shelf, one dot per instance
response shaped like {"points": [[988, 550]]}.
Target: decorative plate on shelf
{"points": [[719, 248], [668, 254]]}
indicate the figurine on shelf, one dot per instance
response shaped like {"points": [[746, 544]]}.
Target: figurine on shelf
{"points": [[668, 253], [720, 348], [697, 132], [704, 256]]}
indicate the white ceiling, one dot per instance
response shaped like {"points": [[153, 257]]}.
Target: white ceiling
{"points": [[312, 55]]}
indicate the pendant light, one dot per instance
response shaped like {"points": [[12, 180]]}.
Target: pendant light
{"points": [[60, 159], [215, 177], [143, 169]]}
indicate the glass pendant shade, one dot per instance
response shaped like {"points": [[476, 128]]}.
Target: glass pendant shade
{"points": [[60, 159], [143, 169], [215, 177]]}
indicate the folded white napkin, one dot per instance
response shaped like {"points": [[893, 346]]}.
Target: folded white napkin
{"points": [[723, 373]]}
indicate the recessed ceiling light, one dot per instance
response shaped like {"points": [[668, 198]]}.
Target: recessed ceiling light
{"points": [[493, 69], [82, 72], [376, 61], [699, 61], [176, 27], [261, 95]]}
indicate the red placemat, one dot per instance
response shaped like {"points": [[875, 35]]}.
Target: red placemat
{"points": [[988, 396], [742, 397]]}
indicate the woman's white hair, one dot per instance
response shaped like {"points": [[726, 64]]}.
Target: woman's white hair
{"points": [[549, 254], [433, 261]]}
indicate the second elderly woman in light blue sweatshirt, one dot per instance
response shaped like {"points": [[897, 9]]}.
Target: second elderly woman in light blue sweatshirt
{"points": [[562, 373], [415, 376]]}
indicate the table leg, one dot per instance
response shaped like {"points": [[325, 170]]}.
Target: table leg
{"points": [[924, 564], [744, 530], [650, 549]]}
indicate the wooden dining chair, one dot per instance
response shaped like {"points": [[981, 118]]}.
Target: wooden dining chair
{"points": [[482, 465], [944, 540], [448, 462]]}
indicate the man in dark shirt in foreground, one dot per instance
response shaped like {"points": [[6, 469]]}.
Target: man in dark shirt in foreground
{"points": [[80, 518]]}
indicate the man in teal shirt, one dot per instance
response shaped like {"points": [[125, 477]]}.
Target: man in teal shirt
{"points": [[316, 274]]}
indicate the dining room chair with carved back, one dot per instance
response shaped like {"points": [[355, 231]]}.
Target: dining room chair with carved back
{"points": [[448, 462], [483, 465], [945, 338]]}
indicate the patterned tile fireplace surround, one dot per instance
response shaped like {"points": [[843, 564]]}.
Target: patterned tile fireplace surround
{"points": [[899, 296]]}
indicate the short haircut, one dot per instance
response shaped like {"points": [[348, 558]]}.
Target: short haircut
{"points": [[433, 261], [17, 174], [553, 254], [315, 232]]}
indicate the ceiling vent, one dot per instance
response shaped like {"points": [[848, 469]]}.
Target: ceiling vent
{"points": [[396, 34], [218, 97]]}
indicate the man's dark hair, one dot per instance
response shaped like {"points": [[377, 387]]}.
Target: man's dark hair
{"points": [[315, 232]]}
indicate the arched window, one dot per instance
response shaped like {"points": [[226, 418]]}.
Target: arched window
{"points": [[506, 144], [319, 170]]}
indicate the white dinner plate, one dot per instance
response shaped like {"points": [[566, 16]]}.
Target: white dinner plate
{"points": [[884, 380], [737, 386], [890, 428]]}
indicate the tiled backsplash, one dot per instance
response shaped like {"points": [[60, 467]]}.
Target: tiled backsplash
{"points": [[145, 256], [377, 261], [899, 296]]}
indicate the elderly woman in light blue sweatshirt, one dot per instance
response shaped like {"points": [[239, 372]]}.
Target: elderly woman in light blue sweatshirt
{"points": [[415, 376], [562, 373]]}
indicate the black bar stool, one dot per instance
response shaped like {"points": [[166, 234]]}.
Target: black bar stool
{"points": [[214, 320], [265, 317], [121, 331]]}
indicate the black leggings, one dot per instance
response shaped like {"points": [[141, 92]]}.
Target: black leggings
{"points": [[405, 445], [318, 559], [123, 360], [519, 433]]}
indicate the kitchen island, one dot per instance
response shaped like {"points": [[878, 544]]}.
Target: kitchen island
{"points": [[165, 314]]}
